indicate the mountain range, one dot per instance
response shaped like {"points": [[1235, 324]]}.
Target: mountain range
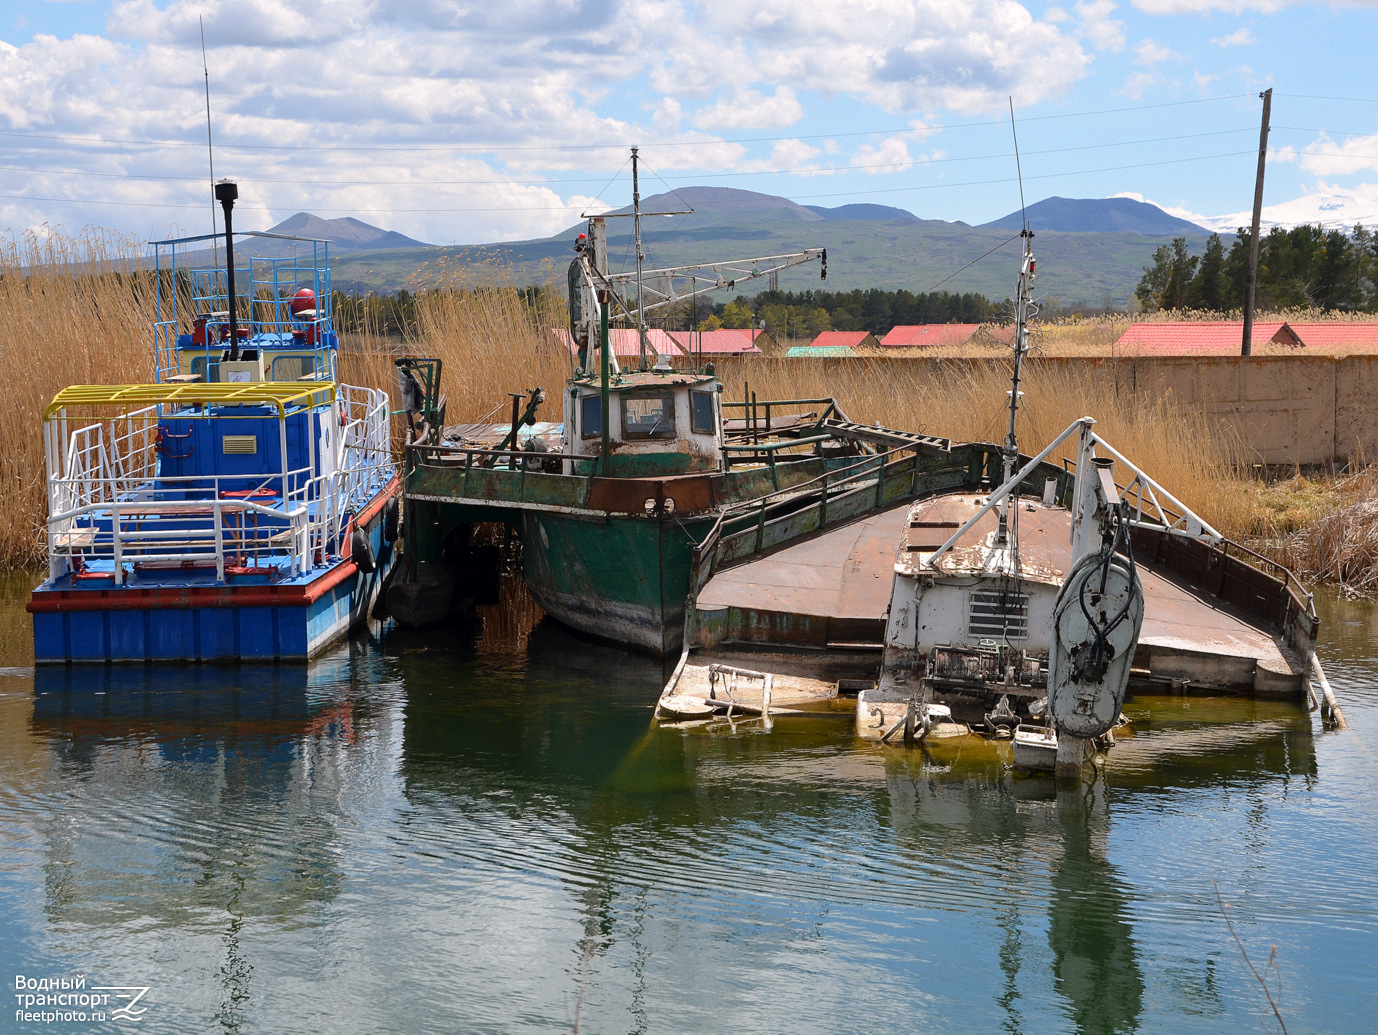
{"points": [[1091, 251]]}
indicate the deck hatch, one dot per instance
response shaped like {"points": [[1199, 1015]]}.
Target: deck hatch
{"points": [[999, 615], [239, 445]]}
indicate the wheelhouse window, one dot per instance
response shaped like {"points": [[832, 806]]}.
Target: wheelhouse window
{"points": [[209, 369], [701, 412], [291, 368], [648, 415], [591, 416]]}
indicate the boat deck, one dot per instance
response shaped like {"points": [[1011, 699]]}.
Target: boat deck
{"points": [[834, 589]]}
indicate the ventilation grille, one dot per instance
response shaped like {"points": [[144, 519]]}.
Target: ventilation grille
{"points": [[999, 616], [239, 445]]}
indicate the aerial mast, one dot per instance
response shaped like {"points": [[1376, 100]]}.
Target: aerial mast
{"points": [[1023, 307], [636, 221]]}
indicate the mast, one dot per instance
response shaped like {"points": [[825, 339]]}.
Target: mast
{"points": [[636, 221], [1023, 305]]}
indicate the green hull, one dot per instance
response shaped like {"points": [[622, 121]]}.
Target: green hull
{"points": [[623, 579], [615, 557]]}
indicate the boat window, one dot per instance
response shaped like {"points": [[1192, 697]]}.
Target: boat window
{"points": [[591, 416], [701, 412], [648, 415], [998, 615], [291, 368], [198, 366]]}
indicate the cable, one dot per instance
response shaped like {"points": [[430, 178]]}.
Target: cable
{"points": [[486, 148], [974, 261], [803, 170], [562, 208]]}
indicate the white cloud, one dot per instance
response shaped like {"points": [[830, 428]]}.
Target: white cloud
{"points": [[789, 155], [1241, 37], [396, 98], [1136, 84], [749, 109], [1325, 158], [1151, 52], [1096, 25], [1169, 7], [1325, 204], [890, 155]]}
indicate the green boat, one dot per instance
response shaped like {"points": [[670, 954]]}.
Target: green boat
{"points": [[647, 469]]}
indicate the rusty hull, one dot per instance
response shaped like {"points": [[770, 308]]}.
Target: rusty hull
{"points": [[835, 588]]}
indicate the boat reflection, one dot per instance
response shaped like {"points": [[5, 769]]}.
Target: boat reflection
{"points": [[199, 798]]}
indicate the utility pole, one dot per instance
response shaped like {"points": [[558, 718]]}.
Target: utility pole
{"points": [[1251, 280]]}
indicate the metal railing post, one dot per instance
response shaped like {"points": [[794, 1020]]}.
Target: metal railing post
{"points": [[115, 544], [218, 519]]}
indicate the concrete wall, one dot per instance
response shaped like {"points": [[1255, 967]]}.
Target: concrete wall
{"points": [[1286, 409]]}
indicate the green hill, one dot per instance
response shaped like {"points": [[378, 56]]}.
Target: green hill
{"points": [[889, 252]]}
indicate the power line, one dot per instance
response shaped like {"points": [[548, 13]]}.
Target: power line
{"points": [[561, 208], [801, 170], [697, 142]]}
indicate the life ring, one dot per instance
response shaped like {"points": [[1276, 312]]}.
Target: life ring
{"points": [[361, 552]]}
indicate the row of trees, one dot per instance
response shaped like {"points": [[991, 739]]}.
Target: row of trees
{"points": [[799, 314], [1306, 266]]}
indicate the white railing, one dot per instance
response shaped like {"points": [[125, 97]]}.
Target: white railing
{"points": [[366, 444], [107, 499]]}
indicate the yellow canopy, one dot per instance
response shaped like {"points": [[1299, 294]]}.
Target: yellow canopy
{"points": [[280, 394]]}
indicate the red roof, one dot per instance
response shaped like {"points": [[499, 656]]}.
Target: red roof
{"points": [[1334, 333], [921, 334], [1189, 337], [840, 339], [725, 342], [670, 343], [624, 341]]}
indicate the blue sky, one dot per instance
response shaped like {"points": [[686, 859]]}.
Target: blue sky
{"points": [[461, 122]]}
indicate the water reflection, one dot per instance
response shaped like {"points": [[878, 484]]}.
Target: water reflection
{"points": [[192, 799], [496, 817]]}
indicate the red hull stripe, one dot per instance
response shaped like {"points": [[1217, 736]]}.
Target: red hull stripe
{"points": [[210, 596]]}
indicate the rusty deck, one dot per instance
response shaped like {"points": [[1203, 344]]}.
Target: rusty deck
{"points": [[834, 590]]}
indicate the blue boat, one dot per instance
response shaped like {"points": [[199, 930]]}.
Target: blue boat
{"points": [[243, 504]]}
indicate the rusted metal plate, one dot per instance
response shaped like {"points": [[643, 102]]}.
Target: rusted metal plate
{"points": [[844, 573], [691, 493], [1045, 553]]}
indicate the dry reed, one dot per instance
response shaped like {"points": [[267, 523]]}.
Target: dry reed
{"points": [[72, 311], [1188, 453], [490, 336]]}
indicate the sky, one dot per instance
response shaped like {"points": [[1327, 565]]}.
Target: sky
{"points": [[464, 121]]}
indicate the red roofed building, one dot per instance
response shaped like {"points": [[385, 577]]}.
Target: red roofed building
{"points": [[1338, 334], [743, 341], [624, 342], [1201, 337], [918, 335], [845, 340]]}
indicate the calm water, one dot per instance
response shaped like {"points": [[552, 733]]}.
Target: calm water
{"points": [[479, 832]]}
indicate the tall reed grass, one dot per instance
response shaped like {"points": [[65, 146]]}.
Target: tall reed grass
{"points": [[73, 310], [1191, 455], [76, 310], [491, 337]]}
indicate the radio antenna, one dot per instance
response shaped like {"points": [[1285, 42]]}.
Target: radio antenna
{"points": [[210, 147], [1023, 309], [1018, 171]]}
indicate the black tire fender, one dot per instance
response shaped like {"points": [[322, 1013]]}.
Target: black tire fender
{"points": [[361, 552]]}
